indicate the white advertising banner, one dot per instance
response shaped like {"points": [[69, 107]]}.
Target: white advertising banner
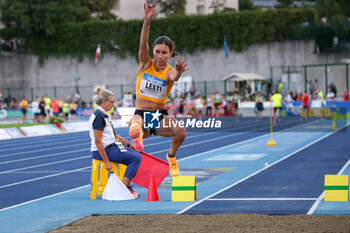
{"points": [[36, 130], [4, 135]]}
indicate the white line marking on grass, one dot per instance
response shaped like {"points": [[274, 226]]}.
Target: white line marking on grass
{"points": [[257, 172], [42, 198], [43, 177], [320, 198], [45, 164], [263, 199]]}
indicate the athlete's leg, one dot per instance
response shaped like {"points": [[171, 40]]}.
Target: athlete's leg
{"points": [[170, 128], [136, 132]]}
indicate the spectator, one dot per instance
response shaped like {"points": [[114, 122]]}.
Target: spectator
{"points": [[316, 85], [217, 102], [248, 91], [289, 97], [73, 110], [1, 96], [330, 94], [319, 95], [60, 106], [235, 102], [65, 109], [259, 105], [295, 96], [42, 107], [306, 101], [36, 109], [127, 99], [24, 106], [13, 104], [47, 100], [300, 97], [280, 87], [209, 105], [312, 86], [181, 106], [198, 104], [346, 95], [54, 106], [334, 89]]}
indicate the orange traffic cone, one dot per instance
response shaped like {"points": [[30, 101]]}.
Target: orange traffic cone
{"points": [[152, 190]]}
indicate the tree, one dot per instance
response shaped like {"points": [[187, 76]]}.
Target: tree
{"points": [[217, 6], [284, 4], [24, 18], [247, 5], [172, 7], [329, 9], [100, 8]]}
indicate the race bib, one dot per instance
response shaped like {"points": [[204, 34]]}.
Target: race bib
{"points": [[153, 87]]}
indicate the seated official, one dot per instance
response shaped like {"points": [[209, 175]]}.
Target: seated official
{"points": [[108, 146]]}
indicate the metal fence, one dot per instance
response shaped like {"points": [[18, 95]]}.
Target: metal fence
{"points": [[301, 78], [86, 92]]}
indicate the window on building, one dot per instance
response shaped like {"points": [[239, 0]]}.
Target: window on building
{"points": [[200, 9]]}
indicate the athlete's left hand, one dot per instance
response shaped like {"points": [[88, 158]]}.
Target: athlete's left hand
{"points": [[181, 66]]}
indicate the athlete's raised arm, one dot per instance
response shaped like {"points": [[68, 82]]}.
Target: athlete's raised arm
{"points": [[144, 57]]}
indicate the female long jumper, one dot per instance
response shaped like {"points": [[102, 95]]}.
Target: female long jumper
{"points": [[155, 79]]}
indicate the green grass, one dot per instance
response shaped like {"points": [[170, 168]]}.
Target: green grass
{"points": [[12, 125]]}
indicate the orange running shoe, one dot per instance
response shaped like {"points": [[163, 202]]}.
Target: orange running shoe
{"points": [[173, 166], [136, 136]]}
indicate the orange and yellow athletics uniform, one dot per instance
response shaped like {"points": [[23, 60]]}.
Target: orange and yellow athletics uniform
{"points": [[151, 85]]}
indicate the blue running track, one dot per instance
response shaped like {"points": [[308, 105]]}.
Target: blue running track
{"points": [[45, 180]]}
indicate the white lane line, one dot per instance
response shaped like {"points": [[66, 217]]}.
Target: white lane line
{"points": [[320, 198], [36, 139], [46, 149], [42, 198], [35, 145], [45, 164], [43, 156], [257, 172], [43, 177], [263, 199], [44, 172]]}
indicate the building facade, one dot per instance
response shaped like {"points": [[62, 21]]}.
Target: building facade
{"points": [[127, 10]]}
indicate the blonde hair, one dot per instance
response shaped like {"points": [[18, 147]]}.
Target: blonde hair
{"points": [[102, 94]]}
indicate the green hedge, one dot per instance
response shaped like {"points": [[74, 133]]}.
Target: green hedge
{"points": [[189, 33]]}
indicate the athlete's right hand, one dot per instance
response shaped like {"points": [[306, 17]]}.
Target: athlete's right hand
{"points": [[149, 10]]}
